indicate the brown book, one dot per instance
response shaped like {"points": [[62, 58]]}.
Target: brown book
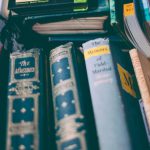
{"points": [[79, 25], [141, 66]]}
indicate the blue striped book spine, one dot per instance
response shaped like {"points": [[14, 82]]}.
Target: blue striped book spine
{"points": [[69, 119], [25, 101]]}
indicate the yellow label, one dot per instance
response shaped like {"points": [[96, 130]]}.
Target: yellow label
{"points": [[80, 1], [126, 81], [100, 50], [129, 9]]}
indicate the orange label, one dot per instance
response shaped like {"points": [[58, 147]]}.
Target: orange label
{"points": [[129, 9]]}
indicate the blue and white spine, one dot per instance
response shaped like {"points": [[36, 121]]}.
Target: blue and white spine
{"points": [[25, 102], [107, 103], [69, 119]]}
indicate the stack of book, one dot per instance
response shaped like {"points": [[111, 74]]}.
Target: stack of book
{"points": [[75, 75]]}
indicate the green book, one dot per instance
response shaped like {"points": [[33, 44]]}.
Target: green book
{"points": [[116, 17], [31, 7]]}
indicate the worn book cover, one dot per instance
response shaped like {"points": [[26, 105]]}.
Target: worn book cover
{"points": [[73, 26], [69, 106], [102, 8], [115, 99], [26, 127]]}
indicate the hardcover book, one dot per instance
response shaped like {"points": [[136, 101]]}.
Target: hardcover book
{"points": [[133, 29], [71, 132], [141, 66], [102, 8], [73, 26], [116, 17], [49, 6], [114, 96], [26, 126]]}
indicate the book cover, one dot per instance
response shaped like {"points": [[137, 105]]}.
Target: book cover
{"points": [[141, 66], [73, 26], [133, 29], [101, 9], [145, 10], [114, 96], [48, 6], [116, 17], [26, 128], [71, 131]]}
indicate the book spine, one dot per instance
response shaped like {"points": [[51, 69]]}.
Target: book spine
{"points": [[107, 102], [145, 8], [28, 2], [113, 18], [145, 119], [69, 119], [25, 101], [142, 83]]}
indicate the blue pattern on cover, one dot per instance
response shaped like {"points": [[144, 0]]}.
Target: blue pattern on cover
{"points": [[65, 105], [24, 142], [23, 110], [60, 71]]}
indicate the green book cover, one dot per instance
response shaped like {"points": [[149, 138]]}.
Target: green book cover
{"points": [[30, 7]]}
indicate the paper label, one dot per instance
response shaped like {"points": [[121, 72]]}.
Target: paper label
{"points": [[100, 50], [126, 80], [129, 9]]}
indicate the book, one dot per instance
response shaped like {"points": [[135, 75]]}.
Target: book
{"points": [[26, 128], [48, 6], [133, 29], [141, 66], [102, 8], [4, 63], [4, 12], [71, 131], [116, 17], [145, 10], [114, 96], [73, 26]]}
